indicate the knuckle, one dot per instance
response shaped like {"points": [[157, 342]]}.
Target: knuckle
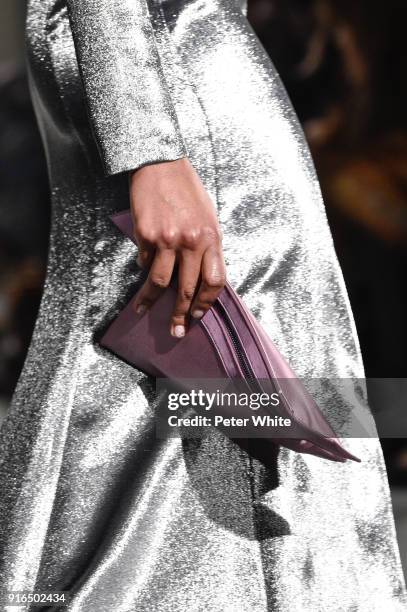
{"points": [[158, 281], [169, 237], [212, 233], [187, 293], [180, 311], [191, 237], [215, 281], [147, 233]]}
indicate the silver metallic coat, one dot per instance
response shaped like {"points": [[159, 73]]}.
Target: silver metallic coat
{"points": [[90, 500]]}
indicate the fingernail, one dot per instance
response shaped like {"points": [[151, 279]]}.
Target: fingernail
{"points": [[198, 314], [178, 331], [141, 308]]}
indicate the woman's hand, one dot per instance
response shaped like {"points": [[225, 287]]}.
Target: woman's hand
{"points": [[175, 220]]}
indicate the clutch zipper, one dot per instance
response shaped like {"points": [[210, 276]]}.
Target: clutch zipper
{"points": [[236, 343]]}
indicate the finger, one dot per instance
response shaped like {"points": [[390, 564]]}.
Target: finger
{"points": [[158, 279], [212, 282], [188, 278], [146, 254]]}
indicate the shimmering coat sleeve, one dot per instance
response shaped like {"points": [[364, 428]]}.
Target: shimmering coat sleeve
{"points": [[129, 105]]}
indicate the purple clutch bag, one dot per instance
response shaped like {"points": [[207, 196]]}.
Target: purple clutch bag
{"points": [[228, 343]]}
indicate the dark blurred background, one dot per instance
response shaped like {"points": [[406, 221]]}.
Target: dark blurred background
{"points": [[344, 63]]}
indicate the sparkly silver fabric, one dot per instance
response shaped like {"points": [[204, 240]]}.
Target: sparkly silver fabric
{"points": [[90, 500]]}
